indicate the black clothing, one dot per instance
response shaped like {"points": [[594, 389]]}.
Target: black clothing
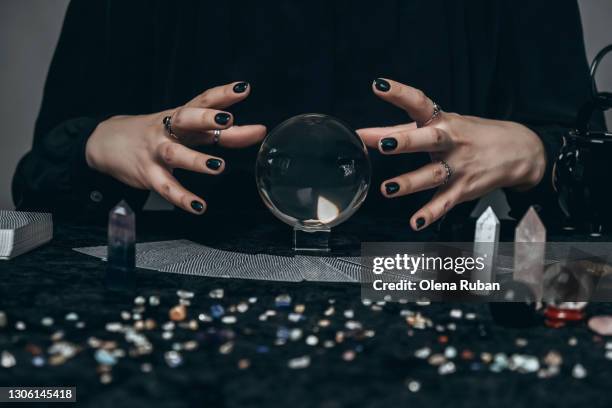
{"points": [[517, 60]]}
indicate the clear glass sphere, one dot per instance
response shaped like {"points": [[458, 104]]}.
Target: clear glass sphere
{"points": [[313, 172]]}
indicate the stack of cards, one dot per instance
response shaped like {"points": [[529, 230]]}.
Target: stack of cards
{"points": [[21, 232], [186, 257]]}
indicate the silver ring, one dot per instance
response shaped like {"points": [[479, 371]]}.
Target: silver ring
{"points": [[449, 171], [167, 121], [216, 136], [436, 112]]}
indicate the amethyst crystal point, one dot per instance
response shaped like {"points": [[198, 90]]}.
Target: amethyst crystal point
{"points": [[121, 243]]}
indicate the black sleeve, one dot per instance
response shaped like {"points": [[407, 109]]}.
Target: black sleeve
{"points": [[543, 79], [53, 175]]}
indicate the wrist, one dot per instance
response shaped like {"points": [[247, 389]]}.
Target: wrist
{"points": [[535, 161]]}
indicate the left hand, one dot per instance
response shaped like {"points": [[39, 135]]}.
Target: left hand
{"points": [[483, 154]]}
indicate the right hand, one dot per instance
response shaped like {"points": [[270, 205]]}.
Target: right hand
{"points": [[138, 151]]}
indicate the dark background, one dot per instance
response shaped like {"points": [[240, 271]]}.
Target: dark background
{"points": [[29, 30]]}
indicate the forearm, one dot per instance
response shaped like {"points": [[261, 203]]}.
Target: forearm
{"points": [[54, 175]]}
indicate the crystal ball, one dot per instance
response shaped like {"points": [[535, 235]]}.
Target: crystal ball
{"points": [[313, 172]]}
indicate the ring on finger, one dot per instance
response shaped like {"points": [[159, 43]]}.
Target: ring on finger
{"points": [[216, 136], [448, 169], [167, 121], [436, 112]]}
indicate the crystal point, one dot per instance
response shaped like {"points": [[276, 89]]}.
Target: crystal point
{"points": [[529, 252], [530, 228], [121, 243], [487, 227], [486, 238]]}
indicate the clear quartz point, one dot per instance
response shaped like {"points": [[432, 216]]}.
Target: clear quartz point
{"points": [[529, 252], [121, 242], [486, 238]]}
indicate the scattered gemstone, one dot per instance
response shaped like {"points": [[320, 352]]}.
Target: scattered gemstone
{"points": [[38, 361], [229, 319], [106, 378], [104, 357], [7, 360], [579, 371], [153, 301], [601, 325], [520, 342], [139, 300], [217, 311], [283, 300], [450, 352], [244, 363], [299, 362], [312, 340], [456, 313], [447, 368], [422, 353], [413, 385], [46, 321], [226, 348], [242, 307], [20, 326], [348, 355], [178, 313], [173, 358], [72, 316], [216, 293], [203, 317]]}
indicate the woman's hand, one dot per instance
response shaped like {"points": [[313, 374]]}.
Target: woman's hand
{"points": [[482, 154], [138, 150]]}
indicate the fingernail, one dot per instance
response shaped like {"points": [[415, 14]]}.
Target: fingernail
{"points": [[240, 87], [420, 222], [213, 164], [382, 85], [222, 118], [388, 143], [392, 188], [197, 206]]}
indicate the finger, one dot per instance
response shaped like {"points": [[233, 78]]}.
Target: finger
{"points": [[169, 188], [441, 203], [371, 136], [235, 137], [429, 176], [178, 156], [427, 139], [221, 97], [412, 100], [196, 120]]}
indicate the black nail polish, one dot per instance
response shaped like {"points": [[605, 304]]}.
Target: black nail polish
{"points": [[240, 87], [213, 164], [222, 118], [197, 206], [388, 143], [420, 222], [382, 85], [392, 188]]}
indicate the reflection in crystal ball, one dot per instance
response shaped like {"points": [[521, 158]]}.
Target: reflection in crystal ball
{"points": [[313, 172]]}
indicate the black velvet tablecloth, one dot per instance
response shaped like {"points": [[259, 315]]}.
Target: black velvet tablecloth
{"points": [[54, 281]]}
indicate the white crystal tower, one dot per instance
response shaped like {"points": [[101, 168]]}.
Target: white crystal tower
{"points": [[486, 238], [530, 251]]}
